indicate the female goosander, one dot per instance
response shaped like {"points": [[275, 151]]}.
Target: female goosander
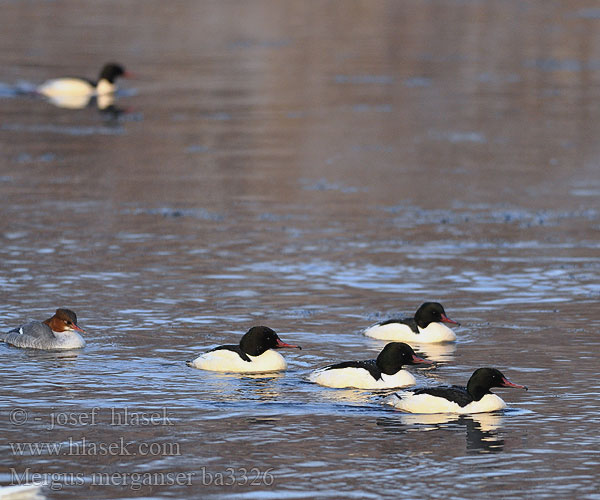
{"points": [[425, 327], [59, 87], [57, 332], [475, 398], [385, 372], [254, 354]]}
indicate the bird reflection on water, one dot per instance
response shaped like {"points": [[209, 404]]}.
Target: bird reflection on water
{"points": [[482, 429], [233, 387], [442, 352]]}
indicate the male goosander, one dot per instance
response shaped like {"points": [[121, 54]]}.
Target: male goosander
{"points": [[475, 398], [425, 327], [254, 354], [70, 86], [57, 332], [385, 372]]}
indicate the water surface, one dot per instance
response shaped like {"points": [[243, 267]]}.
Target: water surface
{"points": [[314, 167]]}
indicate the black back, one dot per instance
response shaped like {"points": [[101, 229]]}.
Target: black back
{"points": [[480, 383], [428, 312], [410, 322], [234, 348], [390, 360], [370, 365], [457, 394]]}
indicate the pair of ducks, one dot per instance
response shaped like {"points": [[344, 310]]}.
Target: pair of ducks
{"points": [[256, 354]]}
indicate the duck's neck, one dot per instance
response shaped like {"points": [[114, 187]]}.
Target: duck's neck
{"points": [[105, 87], [476, 390]]}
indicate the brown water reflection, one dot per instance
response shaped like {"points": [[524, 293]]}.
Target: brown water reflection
{"points": [[315, 167]]}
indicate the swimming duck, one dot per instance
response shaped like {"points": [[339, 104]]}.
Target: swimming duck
{"points": [[426, 326], [475, 398], [385, 372], [254, 354], [58, 332]]}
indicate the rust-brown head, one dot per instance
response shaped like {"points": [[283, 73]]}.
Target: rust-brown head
{"points": [[64, 320]]}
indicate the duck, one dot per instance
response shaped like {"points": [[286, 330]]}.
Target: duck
{"points": [[57, 332], [82, 87], [427, 326], [476, 397], [254, 354], [384, 372]]}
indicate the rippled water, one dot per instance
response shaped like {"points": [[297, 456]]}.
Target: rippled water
{"points": [[315, 167]]}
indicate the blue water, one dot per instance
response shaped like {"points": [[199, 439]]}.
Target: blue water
{"points": [[315, 170]]}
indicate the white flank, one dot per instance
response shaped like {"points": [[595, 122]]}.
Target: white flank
{"points": [[224, 360], [426, 403], [66, 86], [435, 332], [359, 378]]}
